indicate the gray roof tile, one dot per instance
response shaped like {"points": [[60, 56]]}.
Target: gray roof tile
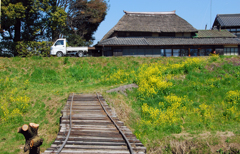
{"points": [[151, 41], [228, 19]]}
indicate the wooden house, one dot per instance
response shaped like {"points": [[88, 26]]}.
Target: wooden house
{"points": [[164, 34], [230, 22]]}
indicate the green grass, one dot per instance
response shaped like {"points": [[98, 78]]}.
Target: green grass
{"points": [[38, 88]]}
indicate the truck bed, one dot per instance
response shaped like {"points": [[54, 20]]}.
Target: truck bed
{"points": [[77, 49]]}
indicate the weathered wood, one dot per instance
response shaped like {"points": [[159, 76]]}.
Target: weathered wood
{"points": [[137, 145], [50, 151], [36, 142], [97, 139], [33, 125], [92, 131], [99, 147], [33, 141]]}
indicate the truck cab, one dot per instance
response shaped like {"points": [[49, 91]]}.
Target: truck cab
{"points": [[59, 48]]}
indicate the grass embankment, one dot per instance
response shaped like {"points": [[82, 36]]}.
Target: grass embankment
{"points": [[182, 104]]}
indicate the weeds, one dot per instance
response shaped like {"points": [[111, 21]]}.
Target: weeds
{"points": [[66, 61], [174, 94], [202, 101]]}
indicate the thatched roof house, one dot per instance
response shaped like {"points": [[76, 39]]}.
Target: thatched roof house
{"points": [[164, 34], [150, 22]]}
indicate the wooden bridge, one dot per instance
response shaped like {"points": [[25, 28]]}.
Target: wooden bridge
{"points": [[89, 126]]}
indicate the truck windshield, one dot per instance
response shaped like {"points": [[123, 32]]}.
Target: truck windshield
{"points": [[59, 42]]}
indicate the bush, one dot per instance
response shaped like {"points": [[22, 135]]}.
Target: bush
{"points": [[33, 48]]}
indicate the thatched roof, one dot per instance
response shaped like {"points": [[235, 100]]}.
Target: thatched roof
{"points": [[151, 22]]}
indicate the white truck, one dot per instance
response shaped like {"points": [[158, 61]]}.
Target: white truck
{"points": [[60, 49]]}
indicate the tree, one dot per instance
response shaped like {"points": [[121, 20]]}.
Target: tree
{"points": [[12, 14], [84, 17], [77, 40], [30, 20], [56, 18], [38, 20]]}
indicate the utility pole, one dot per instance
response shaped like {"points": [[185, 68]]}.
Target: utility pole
{"points": [[210, 14]]}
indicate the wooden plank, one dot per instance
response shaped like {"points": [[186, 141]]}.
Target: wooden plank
{"points": [[96, 130], [92, 143], [95, 148], [99, 147], [88, 151], [131, 139], [92, 123], [95, 121], [89, 115], [82, 110], [94, 134], [89, 131], [97, 143], [96, 139], [92, 139], [88, 126], [64, 129], [79, 117]]}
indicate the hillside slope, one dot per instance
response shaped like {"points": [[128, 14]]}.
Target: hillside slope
{"points": [[182, 104]]}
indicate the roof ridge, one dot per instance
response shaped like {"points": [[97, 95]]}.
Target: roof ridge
{"points": [[150, 13], [228, 14]]}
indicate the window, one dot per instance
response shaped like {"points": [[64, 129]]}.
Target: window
{"points": [[156, 52], [168, 52], [230, 51], [184, 52], [193, 52], [176, 52], [202, 52], [236, 51], [59, 42], [162, 52], [208, 51], [238, 35]]}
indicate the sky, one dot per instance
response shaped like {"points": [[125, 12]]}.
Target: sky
{"points": [[197, 12]]}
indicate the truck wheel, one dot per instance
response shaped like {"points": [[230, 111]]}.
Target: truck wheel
{"points": [[59, 54], [80, 54]]}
